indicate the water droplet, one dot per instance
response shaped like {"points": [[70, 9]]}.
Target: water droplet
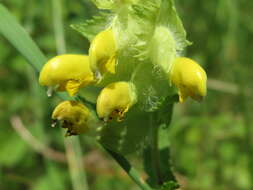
{"points": [[50, 91], [54, 123], [98, 75]]}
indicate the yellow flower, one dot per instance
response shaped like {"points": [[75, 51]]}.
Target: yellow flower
{"points": [[115, 100], [102, 53], [74, 116], [67, 73], [190, 79]]}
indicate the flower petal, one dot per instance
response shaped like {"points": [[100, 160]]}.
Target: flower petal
{"points": [[115, 100], [190, 79], [74, 116], [69, 72], [102, 52]]}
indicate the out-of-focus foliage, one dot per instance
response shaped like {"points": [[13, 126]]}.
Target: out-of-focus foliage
{"points": [[211, 142]]}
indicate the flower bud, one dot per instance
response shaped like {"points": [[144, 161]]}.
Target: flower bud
{"points": [[190, 79], [74, 116], [115, 100], [67, 73], [102, 53]]}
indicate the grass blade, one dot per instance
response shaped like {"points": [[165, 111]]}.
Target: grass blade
{"points": [[20, 39]]}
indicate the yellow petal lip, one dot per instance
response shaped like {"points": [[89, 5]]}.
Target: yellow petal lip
{"points": [[67, 72], [115, 100], [74, 116], [102, 53], [190, 79]]}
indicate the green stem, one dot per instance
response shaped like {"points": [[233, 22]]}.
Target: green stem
{"points": [[75, 163], [58, 27], [132, 172], [155, 153]]}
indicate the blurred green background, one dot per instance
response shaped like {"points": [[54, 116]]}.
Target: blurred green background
{"points": [[211, 142]]}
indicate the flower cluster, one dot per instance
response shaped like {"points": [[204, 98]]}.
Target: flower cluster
{"points": [[71, 72], [134, 62]]}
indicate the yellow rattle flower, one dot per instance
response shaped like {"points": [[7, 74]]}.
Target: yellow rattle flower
{"points": [[190, 79], [67, 72], [115, 100], [74, 116], [102, 53]]}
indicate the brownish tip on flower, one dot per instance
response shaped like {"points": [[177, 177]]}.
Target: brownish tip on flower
{"points": [[74, 116]]}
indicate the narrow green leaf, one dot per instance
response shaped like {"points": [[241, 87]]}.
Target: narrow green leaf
{"points": [[20, 39], [129, 169]]}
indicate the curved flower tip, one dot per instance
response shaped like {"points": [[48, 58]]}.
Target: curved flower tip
{"points": [[74, 116], [66, 73], [190, 79], [115, 100], [102, 53]]}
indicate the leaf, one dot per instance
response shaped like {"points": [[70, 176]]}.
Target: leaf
{"points": [[20, 39], [169, 39], [127, 136], [135, 27], [131, 171], [171, 185], [104, 4], [164, 114], [91, 27], [152, 86], [169, 18], [112, 4]]}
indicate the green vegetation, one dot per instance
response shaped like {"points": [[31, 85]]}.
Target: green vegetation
{"points": [[210, 142]]}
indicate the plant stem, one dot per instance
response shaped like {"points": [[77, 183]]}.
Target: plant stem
{"points": [[74, 157], [58, 27], [155, 154], [132, 172]]}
